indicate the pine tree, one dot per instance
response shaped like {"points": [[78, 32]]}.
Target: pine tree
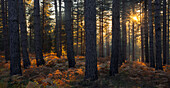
{"points": [[5, 30], [24, 42], [90, 28], [146, 33], [37, 31], [164, 33], [56, 30], [124, 38], [68, 22], [15, 60], [115, 37], [158, 35], [152, 60]]}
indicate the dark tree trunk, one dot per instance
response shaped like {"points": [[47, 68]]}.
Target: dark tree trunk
{"points": [[37, 31], [57, 46], [15, 60], [133, 39], [90, 28], [141, 25], [60, 25], [167, 61], [146, 33], [81, 34], [115, 37], [152, 60], [77, 53], [164, 32], [44, 46], [158, 35], [68, 22], [124, 39], [129, 40], [24, 42], [5, 30]]}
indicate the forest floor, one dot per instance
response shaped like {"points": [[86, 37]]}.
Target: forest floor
{"points": [[55, 73]]}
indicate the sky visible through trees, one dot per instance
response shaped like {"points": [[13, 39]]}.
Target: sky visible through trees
{"points": [[84, 43]]}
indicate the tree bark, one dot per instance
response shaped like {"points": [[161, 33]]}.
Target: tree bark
{"points": [[141, 24], [56, 31], [60, 26], [24, 42], [124, 39], [5, 30], [164, 33], [115, 37], [90, 28], [152, 60], [146, 33], [15, 60], [37, 35], [133, 39], [68, 22], [158, 35]]}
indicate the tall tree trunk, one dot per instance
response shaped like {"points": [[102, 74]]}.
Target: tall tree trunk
{"points": [[101, 31], [5, 30], [158, 35], [133, 39], [152, 60], [24, 42], [124, 39], [81, 34], [60, 26], [15, 60], [77, 53], [115, 37], [141, 26], [44, 46], [68, 22], [164, 32], [167, 61], [146, 33], [90, 28], [57, 43], [37, 35], [129, 40], [107, 43]]}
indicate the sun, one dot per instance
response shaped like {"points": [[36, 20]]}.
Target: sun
{"points": [[135, 18]]}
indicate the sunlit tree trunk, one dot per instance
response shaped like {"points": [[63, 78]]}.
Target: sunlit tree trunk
{"points": [[158, 35], [115, 37], [15, 60], [90, 28], [164, 33], [37, 34], [152, 60], [23, 27], [101, 30], [56, 31], [68, 25]]}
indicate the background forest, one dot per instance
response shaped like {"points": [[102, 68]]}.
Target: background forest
{"points": [[84, 43]]}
